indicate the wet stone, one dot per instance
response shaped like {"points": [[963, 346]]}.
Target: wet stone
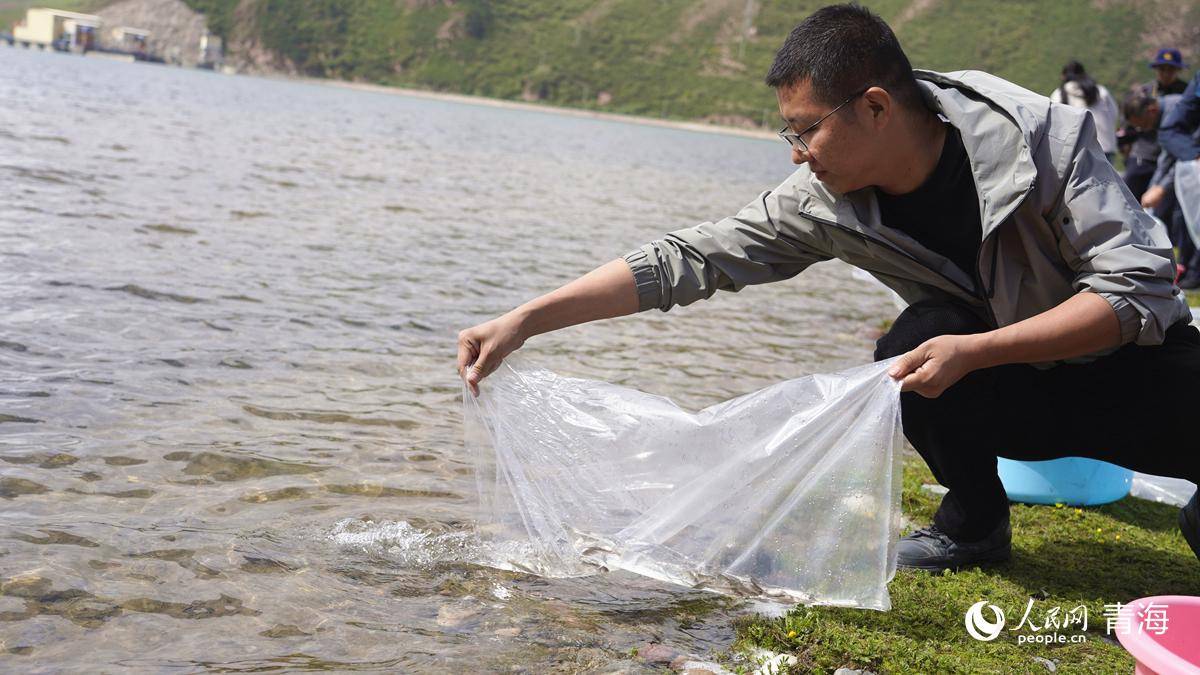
{"points": [[200, 609], [166, 228], [182, 557], [283, 631], [138, 493], [373, 490], [12, 487], [44, 460], [328, 418], [77, 606], [118, 460], [277, 495], [455, 614], [265, 566], [56, 537], [25, 586], [657, 653], [227, 468], [1050, 666]]}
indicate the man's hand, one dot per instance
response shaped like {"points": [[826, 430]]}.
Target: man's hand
{"points": [[481, 348], [1083, 324], [935, 365], [605, 292], [1152, 197]]}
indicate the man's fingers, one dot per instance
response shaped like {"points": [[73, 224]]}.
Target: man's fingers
{"points": [[464, 357], [480, 368], [905, 364], [467, 350], [914, 381]]}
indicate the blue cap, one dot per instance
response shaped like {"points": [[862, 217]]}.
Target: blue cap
{"points": [[1168, 57]]}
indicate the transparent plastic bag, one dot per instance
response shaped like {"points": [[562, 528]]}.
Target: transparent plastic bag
{"points": [[1174, 491], [790, 493], [1187, 192]]}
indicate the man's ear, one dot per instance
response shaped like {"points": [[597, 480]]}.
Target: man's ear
{"points": [[880, 104]]}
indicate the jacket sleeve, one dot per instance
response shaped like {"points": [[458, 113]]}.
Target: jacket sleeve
{"points": [[1115, 248], [694, 263], [1180, 122]]}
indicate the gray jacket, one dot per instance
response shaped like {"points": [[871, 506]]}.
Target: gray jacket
{"points": [[1057, 219]]}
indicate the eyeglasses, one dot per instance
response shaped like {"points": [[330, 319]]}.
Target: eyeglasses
{"points": [[795, 140]]}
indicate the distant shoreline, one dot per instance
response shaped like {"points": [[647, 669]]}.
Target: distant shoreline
{"points": [[537, 107]]}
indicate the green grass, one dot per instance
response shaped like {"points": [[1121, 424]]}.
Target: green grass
{"points": [[1061, 557]]}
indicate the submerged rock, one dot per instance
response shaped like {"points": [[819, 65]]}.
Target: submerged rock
{"points": [[657, 653]]}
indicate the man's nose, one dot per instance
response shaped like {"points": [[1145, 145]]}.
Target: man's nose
{"points": [[799, 156]]}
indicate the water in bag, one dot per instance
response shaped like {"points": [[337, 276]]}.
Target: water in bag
{"points": [[790, 493]]}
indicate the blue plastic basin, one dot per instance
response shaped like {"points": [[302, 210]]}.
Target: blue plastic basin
{"points": [[1077, 481]]}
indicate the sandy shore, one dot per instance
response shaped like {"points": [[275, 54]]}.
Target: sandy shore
{"points": [[558, 110]]}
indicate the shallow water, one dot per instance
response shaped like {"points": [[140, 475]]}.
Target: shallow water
{"points": [[230, 426]]}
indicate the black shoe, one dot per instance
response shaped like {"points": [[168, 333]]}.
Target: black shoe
{"points": [[933, 550], [1189, 523]]}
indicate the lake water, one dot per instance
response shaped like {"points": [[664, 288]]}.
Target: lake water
{"points": [[230, 424]]}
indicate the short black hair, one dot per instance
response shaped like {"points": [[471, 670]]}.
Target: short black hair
{"points": [[1137, 102], [842, 49]]}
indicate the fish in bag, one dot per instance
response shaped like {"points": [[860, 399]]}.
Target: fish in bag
{"points": [[790, 493]]}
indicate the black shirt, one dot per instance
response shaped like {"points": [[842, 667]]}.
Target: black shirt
{"points": [[1176, 87], [942, 214]]}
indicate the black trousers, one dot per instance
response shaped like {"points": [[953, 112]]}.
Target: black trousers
{"points": [[1133, 408]]}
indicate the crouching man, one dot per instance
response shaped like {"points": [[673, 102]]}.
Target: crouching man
{"points": [[1043, 319]]}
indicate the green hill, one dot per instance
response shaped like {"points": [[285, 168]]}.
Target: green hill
{"points": [[689, 59]]}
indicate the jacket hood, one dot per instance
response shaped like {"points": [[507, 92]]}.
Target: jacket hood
{"points": [[1001, 125]]}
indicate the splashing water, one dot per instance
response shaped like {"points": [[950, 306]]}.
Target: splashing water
{"points": [[404, 544]]}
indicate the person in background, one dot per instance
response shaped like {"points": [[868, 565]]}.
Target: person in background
{"points": [[1080, 90], [1145, 111], [1139, 143], [1179, 135], [1166, 64]]}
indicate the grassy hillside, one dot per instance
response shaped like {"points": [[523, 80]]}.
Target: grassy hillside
{"points": [[686, 59]]}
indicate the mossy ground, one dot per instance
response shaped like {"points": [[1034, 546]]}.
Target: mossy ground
{"points": [[1062, 556]]}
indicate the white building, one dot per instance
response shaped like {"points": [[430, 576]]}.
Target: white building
{"points": [[42, 27], [129, 39]]}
